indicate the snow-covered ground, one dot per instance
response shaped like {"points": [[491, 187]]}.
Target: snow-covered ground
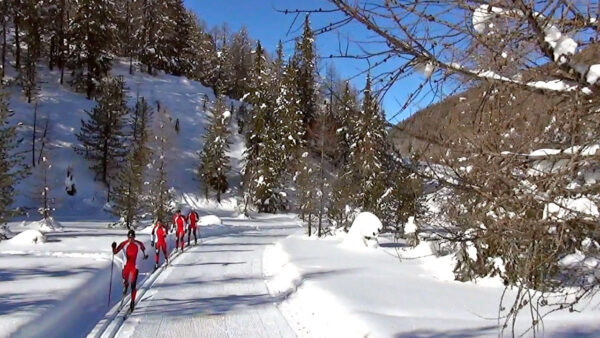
{"points": [[392, 291], [60, 288], [216, 289]]}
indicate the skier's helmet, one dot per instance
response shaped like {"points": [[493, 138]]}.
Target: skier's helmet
{"points": [[131, 234]]}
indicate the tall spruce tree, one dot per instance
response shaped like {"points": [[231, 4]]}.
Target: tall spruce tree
{"points": [[128, 188], [11, 169], [214, 162], [160, 195], [306, 75], [103, 134], [261, 180], [32, 34], [368, 156], [92, 31]]}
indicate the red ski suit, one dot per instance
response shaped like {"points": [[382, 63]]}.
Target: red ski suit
{"points": [[179, 222], [161, 240], [192, 229], [131, 248], [192, 218]]}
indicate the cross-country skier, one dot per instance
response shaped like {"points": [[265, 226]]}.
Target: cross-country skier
{"points": [[131, 248], [159, 240], [179, 222], [192, 227]]}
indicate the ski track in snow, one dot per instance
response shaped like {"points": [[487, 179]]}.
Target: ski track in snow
{"points": [[215, 289]]}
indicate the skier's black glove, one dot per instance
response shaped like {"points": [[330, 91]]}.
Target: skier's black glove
{"points": [[114, 245]]}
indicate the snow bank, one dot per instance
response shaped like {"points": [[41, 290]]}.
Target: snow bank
{"points": [[210, 220], [45, 225], [364, 231], [28, 237]]}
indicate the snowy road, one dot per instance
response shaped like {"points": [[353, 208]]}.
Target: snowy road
{"points": [[216, 289]]}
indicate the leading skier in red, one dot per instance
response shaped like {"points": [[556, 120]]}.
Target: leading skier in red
{"points": [[179, 222], [192, 227], [159, 240], [131, 248]]}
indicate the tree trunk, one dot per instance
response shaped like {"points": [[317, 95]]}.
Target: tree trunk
{"points": [[51, 60], [309, 223], [61, 41], [3, 50], [33, 135], [17, 41]]}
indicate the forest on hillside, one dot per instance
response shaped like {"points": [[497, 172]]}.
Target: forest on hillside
{"points": [[314, 144]]}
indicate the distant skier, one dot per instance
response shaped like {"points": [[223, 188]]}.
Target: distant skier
{"points": [[159, 240], [131, 248], [192, 227], [179, 222]]}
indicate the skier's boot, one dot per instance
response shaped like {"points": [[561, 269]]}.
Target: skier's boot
{"points": [[155, 266], [131, 306], [195, 242]]}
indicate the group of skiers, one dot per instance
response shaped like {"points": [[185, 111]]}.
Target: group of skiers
{"points": [[131, 247]]}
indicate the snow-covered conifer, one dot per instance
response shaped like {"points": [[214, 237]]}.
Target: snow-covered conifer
{"points": [[103, 135], [214, 162]]}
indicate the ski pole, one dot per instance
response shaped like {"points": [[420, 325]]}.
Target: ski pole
{"points": [[111, 275]]}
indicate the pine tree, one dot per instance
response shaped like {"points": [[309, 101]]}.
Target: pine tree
{"points": [[11, 170], [287, 110], [346, 111], [241, 59], [181, 33], [32, 33], [56, 32], [128, 192], [306, 185], [92, 33], [43, 187], [104, 135], [161, 197], [367, 159], [214, 162], [4, 22], [306, 75], [262, 174], [154, 39], [129, 24], [223, 71]]}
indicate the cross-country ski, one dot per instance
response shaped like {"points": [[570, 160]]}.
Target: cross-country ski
{"points": [[318, 168]]}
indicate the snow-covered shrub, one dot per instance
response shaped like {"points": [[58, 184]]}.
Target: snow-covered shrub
{"points": [[45, 225], [364, 231], [28, 237]]}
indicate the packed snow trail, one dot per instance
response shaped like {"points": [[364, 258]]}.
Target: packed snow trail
{"points": [[216, 289]]}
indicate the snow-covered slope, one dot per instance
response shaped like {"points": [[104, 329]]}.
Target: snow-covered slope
{"points": [[183, 98]]}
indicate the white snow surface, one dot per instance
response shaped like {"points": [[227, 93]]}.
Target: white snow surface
{"points": [[209, 220], [393, 291]]}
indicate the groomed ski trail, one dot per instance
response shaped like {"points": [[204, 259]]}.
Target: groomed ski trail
{"points": [[215, 289]]}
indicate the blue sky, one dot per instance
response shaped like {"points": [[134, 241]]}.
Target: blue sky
{"points": [[264, 23]]}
